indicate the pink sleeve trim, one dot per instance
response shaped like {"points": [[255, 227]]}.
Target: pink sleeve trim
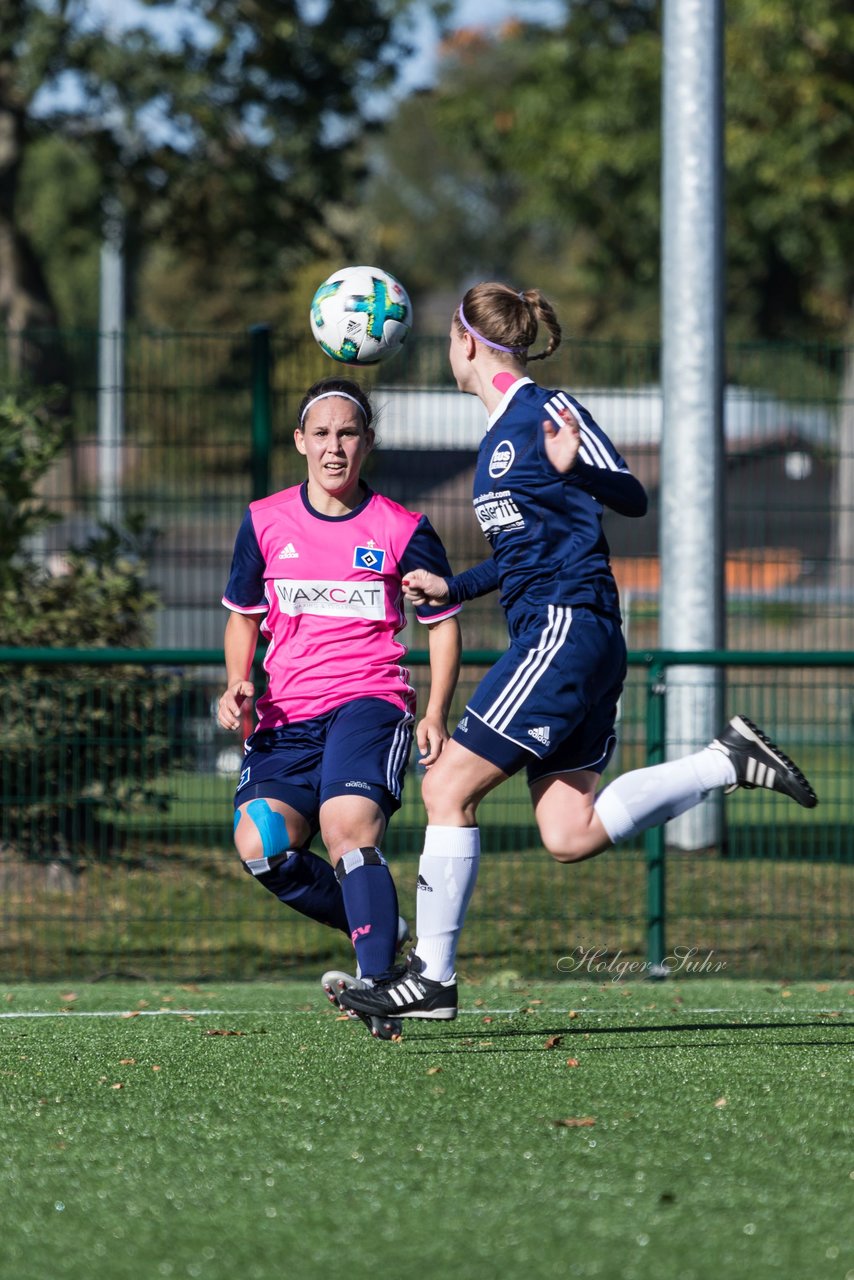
{"points": [[237, 608], [440, 617]]}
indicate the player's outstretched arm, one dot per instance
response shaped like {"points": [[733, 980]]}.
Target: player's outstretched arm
{"points": [[422, 587], [241, 640], [445, 643]]}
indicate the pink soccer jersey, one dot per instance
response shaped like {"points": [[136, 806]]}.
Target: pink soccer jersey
{"points": [[329, 587]]}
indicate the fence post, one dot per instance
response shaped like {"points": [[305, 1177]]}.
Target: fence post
{"points": [[262, 424], [654, 843]]}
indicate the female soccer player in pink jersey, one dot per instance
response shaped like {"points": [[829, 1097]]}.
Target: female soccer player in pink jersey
{"points": [[317, 570]]}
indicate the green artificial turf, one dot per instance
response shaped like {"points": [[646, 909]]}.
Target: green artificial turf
{"points": [[690, 1129]]}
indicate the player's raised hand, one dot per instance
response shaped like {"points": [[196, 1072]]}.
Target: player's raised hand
{"points": [[562, 443], [230, 711], [422, 587]]}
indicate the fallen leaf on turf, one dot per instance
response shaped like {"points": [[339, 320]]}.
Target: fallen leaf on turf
{"points": [[572, 1014], [575, 1122], [478, 1004], [69, 996], [132, 1014], [117, 1086], [127, 1062], [721, 1102], [785, 994], [572, 1062], [343, 1017], [552, 1042], [433, 1071], [217, 1031], [155, 1068], [536, 1002], [487, 1019]]}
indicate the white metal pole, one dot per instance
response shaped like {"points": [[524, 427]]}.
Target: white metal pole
{"points": [[111, 366], [692, 544]]}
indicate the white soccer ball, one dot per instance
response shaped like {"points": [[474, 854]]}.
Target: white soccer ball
{"points": [[361, 315]]}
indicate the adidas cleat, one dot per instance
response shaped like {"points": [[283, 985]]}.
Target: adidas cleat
{"points": [[759, 762], [335, 983], [406, 994]]}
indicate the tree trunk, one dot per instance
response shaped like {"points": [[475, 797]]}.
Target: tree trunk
{"points": [[25, 302]]}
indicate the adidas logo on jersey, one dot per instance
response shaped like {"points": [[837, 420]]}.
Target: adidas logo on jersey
{"points": [[422, 884], [540, 735], [289, 552], [463, 726]]}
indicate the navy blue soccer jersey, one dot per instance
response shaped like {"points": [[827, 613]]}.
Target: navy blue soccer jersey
{"points": [[545, 528]]}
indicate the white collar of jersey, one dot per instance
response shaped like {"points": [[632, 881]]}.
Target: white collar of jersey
{"points": [[505, 400]]}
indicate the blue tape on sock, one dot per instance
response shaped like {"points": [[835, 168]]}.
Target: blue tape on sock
{"points": [[271, 826]]}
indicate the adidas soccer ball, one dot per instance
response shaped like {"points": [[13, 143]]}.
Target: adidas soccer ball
{"points": [[361, 315]]}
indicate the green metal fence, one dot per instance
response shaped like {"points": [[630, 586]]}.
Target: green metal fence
{"points": [[127, 865], [118, 863], [208, 424]]}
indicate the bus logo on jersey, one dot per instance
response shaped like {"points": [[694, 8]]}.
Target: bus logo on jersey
{"points": [[503, 457], [332, 599], [369, 557]]}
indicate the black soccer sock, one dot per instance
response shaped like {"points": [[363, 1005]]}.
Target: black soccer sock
{"points": [[370, 899], [305, 882]]}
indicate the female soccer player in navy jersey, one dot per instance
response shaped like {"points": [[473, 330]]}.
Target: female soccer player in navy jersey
{"points": [[545, 471], [317, 570]]}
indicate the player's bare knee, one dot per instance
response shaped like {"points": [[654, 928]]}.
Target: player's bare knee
{"points": [[259, 832], [567, 846], [446, 808], [247, 839], [564, 854]]}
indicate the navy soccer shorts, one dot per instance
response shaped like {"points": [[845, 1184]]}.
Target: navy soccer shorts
{"points": [[361, 749], [550, 702]]}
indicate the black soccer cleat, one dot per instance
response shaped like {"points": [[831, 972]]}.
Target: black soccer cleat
{"points": [[406, 994], [335, 983], [759, 762]]}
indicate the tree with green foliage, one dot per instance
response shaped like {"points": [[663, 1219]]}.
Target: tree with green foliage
{"points": [[538, 156], [78, 742], [230, 135]]}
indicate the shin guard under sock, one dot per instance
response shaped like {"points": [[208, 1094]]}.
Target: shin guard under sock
{"points": [[370, 900]]}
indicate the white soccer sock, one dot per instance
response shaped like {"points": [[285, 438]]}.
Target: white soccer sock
{"points": [[647, 798], [447, 873]]}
